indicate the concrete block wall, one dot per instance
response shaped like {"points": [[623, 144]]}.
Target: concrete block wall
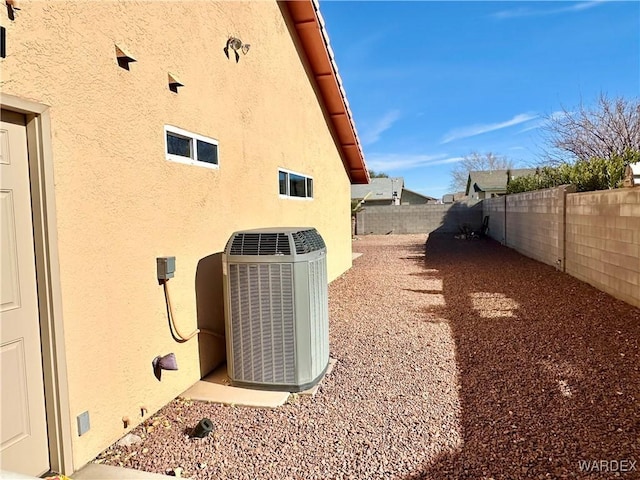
{"points": [[426, 218], [494, 208], [593, 236], [535, 224], [603, 241]]}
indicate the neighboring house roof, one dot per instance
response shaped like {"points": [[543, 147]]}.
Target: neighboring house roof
{"points": [[314, 40], [453, 197], [459, 196], [493, 180], [379, 189], [426, 197]]}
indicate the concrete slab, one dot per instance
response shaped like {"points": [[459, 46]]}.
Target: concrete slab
{"points": [[95, 471], [355, 255], [217, 388]]}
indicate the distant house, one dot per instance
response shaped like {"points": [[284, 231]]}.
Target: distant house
{"points": [[388, 191], [453, 197], [492, 183], [635, 168], [409, 197], [381, 191]]}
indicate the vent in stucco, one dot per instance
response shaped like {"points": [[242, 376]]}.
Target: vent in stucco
{"points": [[174, 83], [123, 57]]}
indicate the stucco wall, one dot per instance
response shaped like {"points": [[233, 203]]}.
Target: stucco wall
{"points": [[120, 203], [603, 241]]}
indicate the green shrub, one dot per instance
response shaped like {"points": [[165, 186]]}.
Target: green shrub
{"points": [[586, 175]]}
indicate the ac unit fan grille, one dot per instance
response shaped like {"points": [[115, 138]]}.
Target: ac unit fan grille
{"points": [[308, 241], [260, 244]]}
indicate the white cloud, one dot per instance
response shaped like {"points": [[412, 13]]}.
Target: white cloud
{"points": [[372, 135], [398, 161], [474, 130], [529, 12], [540, 123], [447, 160], [533, 126]]}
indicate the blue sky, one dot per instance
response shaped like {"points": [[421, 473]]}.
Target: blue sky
{"points": [[429, 82]]}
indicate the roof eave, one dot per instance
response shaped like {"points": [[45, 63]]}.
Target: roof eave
{"points": [[309, 25]]}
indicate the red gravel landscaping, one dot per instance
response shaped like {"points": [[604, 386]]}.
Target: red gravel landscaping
{"points": [[455, 359], [543, 391]]}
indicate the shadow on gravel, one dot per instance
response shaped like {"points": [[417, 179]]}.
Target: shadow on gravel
{"points": [[548, 369]]}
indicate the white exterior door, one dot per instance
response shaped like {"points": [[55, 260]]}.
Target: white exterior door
{"points": [[23, 433]]}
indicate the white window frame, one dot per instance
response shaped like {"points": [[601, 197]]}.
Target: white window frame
{"points": [[288, 194], [194, 148]]}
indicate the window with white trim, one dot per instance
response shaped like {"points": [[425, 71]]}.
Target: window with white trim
{"points": [[294, 184], [190, 148]]}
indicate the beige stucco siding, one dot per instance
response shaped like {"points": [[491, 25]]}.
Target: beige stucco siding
{"points": [[120, 203]]}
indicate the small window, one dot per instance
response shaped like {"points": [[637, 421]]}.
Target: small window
{"points": [[295, 184], [207, 152], [284, 181], [190, 148], [178, 145]]}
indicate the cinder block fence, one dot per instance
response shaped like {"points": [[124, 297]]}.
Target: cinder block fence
{"points": [[425, 218], [593, 236]]}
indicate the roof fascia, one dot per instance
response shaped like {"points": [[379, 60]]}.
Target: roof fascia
{"points": [[313, 38]]}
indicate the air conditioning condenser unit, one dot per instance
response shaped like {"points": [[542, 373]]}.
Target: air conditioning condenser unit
{"points": [[276, 308]]}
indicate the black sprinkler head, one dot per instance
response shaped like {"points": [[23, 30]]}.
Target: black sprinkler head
{"points": [[204, 428]]}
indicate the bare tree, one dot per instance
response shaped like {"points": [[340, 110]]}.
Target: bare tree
{"points": [[476, 161], [608, 129]]}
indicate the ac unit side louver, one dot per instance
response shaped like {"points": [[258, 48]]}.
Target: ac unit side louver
{"points": [[276, 308]]}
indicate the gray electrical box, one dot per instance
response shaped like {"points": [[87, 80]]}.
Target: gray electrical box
{"points": [[166, 267], [83, 423]]}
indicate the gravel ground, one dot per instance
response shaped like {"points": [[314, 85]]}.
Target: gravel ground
{"points": [[468, 362]]}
